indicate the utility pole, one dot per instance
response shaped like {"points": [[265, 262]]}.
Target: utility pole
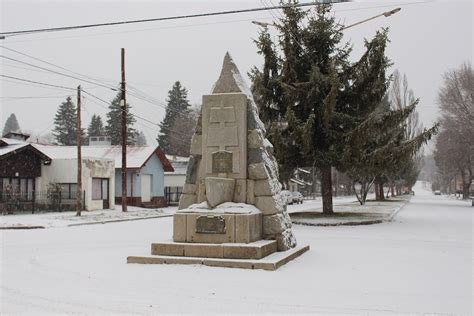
{"points": [[79, 155], [123, 103]]}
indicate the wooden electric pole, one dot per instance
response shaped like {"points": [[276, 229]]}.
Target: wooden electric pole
{"points": [[79, 155], [124, 137]]}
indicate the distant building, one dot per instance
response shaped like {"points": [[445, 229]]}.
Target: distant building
{"points": [[27, 172], [174, 181], [146, 166], [100, 141]]}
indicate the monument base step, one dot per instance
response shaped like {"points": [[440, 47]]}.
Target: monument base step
{"points": [[254, 250], [271, 262]]}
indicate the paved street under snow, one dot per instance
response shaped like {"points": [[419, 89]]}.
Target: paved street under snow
{"points": [[419, 263]]}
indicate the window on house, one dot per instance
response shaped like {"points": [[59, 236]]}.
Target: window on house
{"points": [[68, 191], [21, 188], [100, 188], [96, 189]]}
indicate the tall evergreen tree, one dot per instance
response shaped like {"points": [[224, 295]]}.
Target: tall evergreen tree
{"points": [[96, 127], [140, 139], [177, 108], [114, 122], [306, 94], [11, 125], [65, 124]]}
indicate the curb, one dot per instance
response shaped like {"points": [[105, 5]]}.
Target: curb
{"points": [[395, 212], [89, 223], [22, 227], [119, 220], [359, 223], [355, 223]]}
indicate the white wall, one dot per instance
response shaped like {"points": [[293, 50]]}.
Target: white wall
{"points": [[65, 171], [174, 180]]}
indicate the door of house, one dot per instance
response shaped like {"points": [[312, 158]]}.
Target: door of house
{"points": [[146, 187], [105, 193]]}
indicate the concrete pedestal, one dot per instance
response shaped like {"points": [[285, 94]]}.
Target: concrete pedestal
{"points": [[270, 262], [237, 227]]}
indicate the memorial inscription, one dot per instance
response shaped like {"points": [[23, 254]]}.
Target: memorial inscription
{"points": [[209, 224], [222, 162]]}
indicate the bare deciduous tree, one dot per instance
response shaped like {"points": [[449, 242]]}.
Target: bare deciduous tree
{"points": [[454, 153]]}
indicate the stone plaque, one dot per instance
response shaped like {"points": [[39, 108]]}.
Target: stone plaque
{"points": [[222, 162], [210, 224]]}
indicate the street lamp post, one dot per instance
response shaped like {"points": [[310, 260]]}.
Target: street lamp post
{"points": [[385, 14]]}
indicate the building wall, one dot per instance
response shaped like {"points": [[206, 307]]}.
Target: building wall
{"points": [[98, 168], [22, 164], [174, 180], [155, 168], [118, 183], [65, 171], [152, 167]]}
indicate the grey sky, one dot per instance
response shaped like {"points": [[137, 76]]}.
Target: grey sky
{"points": [[427, 38]]}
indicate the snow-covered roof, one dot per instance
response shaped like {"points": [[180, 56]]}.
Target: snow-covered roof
{"points": [[137, 156], [11, 141], [8, 146], [179, 163], [11, 145]]}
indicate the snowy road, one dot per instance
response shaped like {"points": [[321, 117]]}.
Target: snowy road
{"points": [[420, 263]]}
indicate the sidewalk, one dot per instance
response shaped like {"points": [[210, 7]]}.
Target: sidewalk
{"points": [[352, 213], [68, 219]]}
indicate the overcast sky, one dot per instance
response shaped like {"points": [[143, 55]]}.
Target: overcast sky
{"points": [[427, 38]]}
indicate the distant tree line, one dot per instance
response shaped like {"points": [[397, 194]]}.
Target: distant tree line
{"points": [[65, 125], [174, 137]]}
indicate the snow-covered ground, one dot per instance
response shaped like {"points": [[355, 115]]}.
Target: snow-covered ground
{"points": [[419, 263], [62, 219], [317, 203]]}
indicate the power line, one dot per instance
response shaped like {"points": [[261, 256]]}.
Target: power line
{"points": [[56, 72], [177, 17], [37, 82], [49, 63], [138, 94], [7, 99], [33, 97], [137, 30], [210, 23], [135, 115]]}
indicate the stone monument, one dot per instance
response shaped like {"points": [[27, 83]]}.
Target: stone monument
{"points": [[230, 209]]}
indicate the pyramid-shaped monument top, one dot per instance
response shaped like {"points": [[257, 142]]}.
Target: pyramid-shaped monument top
{"points": [[230, 79]]}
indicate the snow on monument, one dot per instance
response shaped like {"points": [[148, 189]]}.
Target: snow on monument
{"points": [[230, 207]]}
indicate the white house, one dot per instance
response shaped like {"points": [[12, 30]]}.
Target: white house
{"points": [[27, 171], [146, 166], [98, 176]]}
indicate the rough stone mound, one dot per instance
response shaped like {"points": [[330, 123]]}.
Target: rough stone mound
{"points": [[262, 188]]}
